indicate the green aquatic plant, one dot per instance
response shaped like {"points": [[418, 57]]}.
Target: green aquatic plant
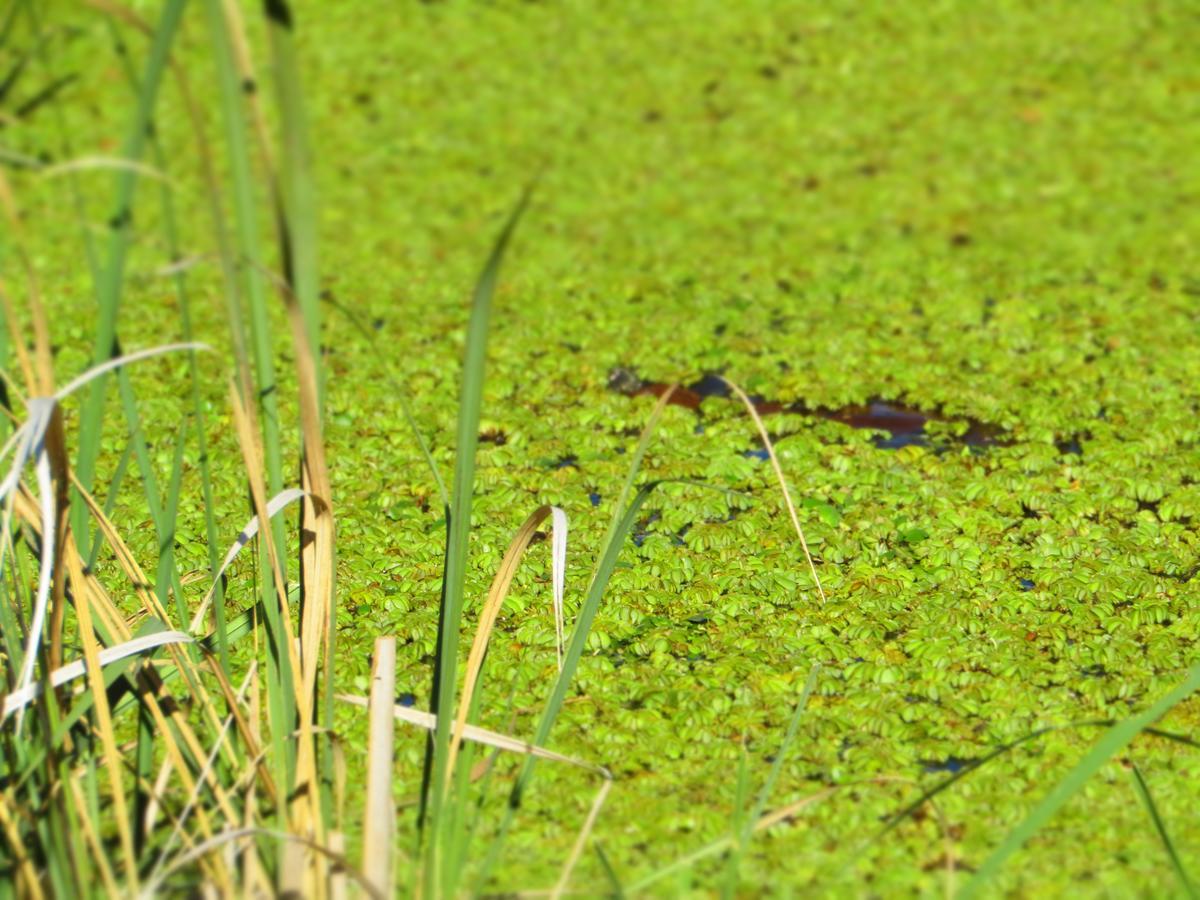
{"points": [[968, 215]]}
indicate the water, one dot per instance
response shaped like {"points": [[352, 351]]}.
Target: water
{"points": [[905, 425]]}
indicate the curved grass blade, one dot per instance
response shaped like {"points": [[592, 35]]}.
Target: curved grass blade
{"points": [[787, 496], [68, 673], [1113, 741], [497, 594], [578, 642], [112, 163], [273, 507], [1143, 792]]}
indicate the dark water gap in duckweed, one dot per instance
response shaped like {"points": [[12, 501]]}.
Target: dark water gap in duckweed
{"points": [[905, 425]]}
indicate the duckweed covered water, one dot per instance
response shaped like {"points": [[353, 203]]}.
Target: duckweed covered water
{"points": [[986, 214]]}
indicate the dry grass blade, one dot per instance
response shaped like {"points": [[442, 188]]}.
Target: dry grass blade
{"points": [[581, 839], [253, 462], [107, 656], [277, 503], [487, 618], [428, 721], [379, 819], [104, 721], [152, 888], [318, 609], [787, 497], [27, 882], [90, 163], [182, 818]]}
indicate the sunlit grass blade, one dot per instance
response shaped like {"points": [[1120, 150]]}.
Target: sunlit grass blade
{"points": [[497, 593], [1113, 741], [273, 507], [458, 534], [787, 495], [71, 671], [104, 163]]}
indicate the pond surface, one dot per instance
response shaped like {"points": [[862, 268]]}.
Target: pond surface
{"points": [[905, 425]]}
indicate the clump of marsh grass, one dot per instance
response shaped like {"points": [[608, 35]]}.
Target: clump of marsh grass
{"points": [[149, 744]]}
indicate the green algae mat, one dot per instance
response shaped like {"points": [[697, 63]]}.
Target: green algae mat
{"points": [[951, 252]]}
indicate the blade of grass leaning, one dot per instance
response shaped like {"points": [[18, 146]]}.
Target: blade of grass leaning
{"points": [[247, 257], [110, 288], [787, 496], [575, 648], [1113, 741], [400, 392], [231, 291], [276, 504], [170, 232], [614, 539], [1143, 791], [497, 593], [37, 436], [949, 781], [298, 218], [756, 812], [455, 851], [104, 725], [77, 669], [458, 533]]}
